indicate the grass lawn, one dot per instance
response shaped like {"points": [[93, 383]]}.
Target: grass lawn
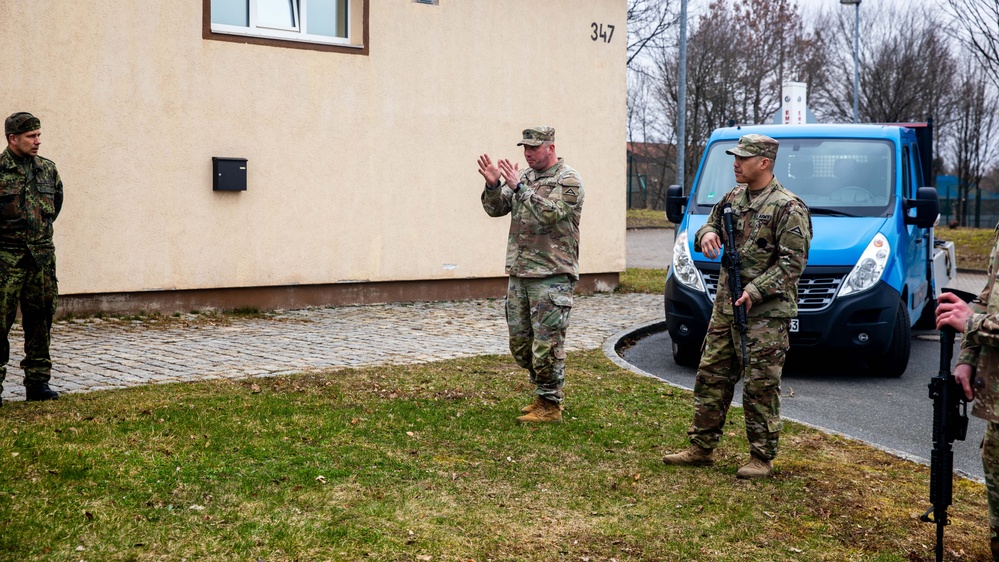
{"points": [[972, 245], [426, 463], [635, 280], [647, 218]]}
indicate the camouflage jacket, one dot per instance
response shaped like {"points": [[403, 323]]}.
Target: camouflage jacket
{"points": [[544, 221], [30, 200], [772, 236], [980, 346]]}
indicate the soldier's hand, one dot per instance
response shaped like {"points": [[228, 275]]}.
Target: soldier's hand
{"points": [[744, 300], [963, 374], [510, 172], [488, 170], [711, 245], [952, 311]]}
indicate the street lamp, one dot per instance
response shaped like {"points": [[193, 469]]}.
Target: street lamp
{"points": [[856, 57]]}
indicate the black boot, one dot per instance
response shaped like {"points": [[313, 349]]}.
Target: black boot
{"points": [[38, 391]]}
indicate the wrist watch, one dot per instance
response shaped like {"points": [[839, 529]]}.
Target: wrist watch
{"points": [[519, 185]]}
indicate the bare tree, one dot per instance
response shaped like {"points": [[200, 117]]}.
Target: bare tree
{"points": [[648, 22], [979, 21], [648, 157], [906, 65], [973, 138], [736, 65]]}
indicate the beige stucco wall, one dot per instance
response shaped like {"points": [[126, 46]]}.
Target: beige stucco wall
{"points": [[361, 168]]}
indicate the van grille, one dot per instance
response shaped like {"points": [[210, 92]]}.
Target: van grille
{"points": [[815, 291]]}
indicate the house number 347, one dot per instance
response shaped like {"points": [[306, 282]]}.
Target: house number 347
{"points": [[602, 32]]}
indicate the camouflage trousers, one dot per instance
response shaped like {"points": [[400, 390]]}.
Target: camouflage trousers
{"points": [[537, 313], [35, 289], [721, 368], [990, 464]]}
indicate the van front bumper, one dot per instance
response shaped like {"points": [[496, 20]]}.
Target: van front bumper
{"points": [[861, 322]]}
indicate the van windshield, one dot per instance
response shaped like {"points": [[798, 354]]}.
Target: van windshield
{"points": [[852, 177]]}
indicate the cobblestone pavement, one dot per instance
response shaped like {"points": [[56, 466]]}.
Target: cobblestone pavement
{"points": [[94, 354]]}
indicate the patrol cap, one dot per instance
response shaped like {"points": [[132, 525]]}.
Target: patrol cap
{"points": [[537, 135], [20, 122], [755, 145]]}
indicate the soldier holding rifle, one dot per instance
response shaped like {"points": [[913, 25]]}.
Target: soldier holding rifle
{"points": [[772, 230], [977, 372]]}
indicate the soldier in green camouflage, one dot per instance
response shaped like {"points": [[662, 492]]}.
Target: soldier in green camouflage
{"points": [[773, 230], [544, 203], [977, 371], [30, 200]]}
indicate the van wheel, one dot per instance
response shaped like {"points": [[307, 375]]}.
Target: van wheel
{"points": [[686, 355], [896, 358]]}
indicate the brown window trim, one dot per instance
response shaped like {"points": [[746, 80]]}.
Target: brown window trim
{"points": [[206, 33]]}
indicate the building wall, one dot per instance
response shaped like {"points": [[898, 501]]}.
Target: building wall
{"points": [[361, 167]]}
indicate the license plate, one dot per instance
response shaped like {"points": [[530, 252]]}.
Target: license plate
{"points": [[794, 325]]}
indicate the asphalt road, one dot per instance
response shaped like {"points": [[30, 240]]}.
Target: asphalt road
{"points": [[892, 414]]}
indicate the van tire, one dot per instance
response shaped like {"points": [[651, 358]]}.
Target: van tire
{"points": [[896, 358], [686, 355]]}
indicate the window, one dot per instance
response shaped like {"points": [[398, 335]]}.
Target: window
{"points": [[324, 22], [850, 176]]}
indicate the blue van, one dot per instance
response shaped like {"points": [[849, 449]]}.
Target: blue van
{"points": [[873, 269]]}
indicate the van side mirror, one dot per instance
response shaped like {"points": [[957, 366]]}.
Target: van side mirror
{"points": [[923, 210], [676, 201]]}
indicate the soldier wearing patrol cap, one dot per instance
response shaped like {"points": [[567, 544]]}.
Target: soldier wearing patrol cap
{"points": [[773, 230], [977, 371], [30, 201], [544, 203]]}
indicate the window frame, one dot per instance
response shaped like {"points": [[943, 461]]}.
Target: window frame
{"points": [[288, 39]]}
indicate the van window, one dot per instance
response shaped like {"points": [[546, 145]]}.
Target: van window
{"points": [[843, 176], [906, 172], [917, 167]]}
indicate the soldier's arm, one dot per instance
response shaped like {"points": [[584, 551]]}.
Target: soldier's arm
{"points": [[982, 328], [497, 201], [793, 238], [713, 224], [58, 194]]}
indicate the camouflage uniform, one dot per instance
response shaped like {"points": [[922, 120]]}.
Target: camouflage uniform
{"points": [[773, 230], [31, 197], [980, 350], [542, 262]]}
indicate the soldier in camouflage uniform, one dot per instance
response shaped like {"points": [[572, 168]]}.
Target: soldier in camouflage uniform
{"points": [[544, 203], [30, 200], [773, 230], [978, 372]]}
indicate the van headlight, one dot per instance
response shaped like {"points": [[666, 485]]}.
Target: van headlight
{"points": [[683, 266], [869, 267]]}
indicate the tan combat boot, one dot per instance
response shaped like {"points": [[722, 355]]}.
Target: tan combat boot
{"points": [[691, 456], [545, 412], [756, 468], [533, 405]]}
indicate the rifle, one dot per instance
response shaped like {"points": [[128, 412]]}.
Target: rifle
{"points": [[732, 263], [950, 423]]}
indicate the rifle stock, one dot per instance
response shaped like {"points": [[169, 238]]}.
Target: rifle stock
{"points": [[733, 264]]}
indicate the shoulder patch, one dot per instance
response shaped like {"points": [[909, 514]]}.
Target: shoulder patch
{"points": [[796, 230], [570, 181]]}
